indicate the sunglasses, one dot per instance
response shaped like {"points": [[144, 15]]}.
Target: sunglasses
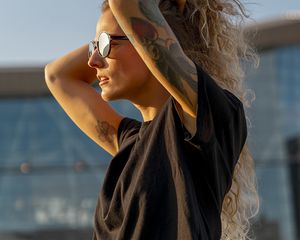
{"points": [[103, 44]]}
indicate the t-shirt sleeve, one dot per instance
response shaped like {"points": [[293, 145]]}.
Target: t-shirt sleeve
{"points": [[220, 115], [128, 129], [220, 135]]}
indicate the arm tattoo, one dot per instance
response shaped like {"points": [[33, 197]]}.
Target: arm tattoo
{"points": [[147, 10], [162, 51], [105, 131]]}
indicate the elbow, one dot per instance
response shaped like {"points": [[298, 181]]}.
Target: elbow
{"points": [[49, 74], [52, 78]]}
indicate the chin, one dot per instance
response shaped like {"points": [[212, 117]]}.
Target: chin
{"points": [[109, 97], [106, 97]]}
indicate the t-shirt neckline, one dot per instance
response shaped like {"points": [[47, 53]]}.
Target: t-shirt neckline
{"points": [[146, 123]]}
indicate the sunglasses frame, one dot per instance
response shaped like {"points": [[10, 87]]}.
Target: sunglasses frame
{"points": [[93, 45]]}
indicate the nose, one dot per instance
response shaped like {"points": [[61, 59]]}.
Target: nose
{"points": [[95, 60]]}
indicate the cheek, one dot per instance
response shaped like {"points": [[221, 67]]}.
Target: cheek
{"points": [[137, 75], [134, 68]]}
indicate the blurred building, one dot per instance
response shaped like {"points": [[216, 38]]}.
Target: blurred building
{"points": [[51, 172], [275, 132]]}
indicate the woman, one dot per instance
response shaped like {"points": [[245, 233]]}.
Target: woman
{"points": [[185, 172]]}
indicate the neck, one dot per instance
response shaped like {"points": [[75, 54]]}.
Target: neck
{"points": [[150, 104], [150, 110]]}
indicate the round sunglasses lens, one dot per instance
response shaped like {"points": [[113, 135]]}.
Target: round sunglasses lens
{"points": [[91, 49], [104, 44]]}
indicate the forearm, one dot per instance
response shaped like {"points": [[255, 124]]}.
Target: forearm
{"points": [[156, 43], [73, 65]]}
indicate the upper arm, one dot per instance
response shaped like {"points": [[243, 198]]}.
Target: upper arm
{"points": [[87, 110], [157, 45]]}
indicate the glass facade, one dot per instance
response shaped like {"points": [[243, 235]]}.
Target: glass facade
{"points": [[274, 140], [51, 172]]}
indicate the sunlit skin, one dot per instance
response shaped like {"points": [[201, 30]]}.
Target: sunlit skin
{"points": [[129, 77]]}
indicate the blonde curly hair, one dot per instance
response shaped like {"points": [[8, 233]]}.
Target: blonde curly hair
{"points": [[210, 33]]}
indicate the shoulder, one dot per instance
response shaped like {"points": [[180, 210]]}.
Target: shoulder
{"points": [[127, 129]]}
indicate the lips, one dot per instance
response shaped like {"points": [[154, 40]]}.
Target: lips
{"points": [[102, 80]]}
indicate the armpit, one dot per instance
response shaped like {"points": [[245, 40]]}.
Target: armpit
{"points": [[187, 120]]}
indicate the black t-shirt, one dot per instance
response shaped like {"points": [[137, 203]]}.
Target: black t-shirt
{"points": [[166, 184]]}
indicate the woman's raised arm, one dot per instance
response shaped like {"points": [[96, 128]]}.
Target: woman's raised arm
{"points": [[69, 79]]}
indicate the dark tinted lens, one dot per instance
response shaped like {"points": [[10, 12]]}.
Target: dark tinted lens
{"points": [[104, 44]]}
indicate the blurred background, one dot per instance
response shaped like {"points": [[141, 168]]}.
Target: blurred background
{"points": [[51, 172]]}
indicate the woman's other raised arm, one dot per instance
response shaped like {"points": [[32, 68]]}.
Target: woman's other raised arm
{"points": [[69, 79]]}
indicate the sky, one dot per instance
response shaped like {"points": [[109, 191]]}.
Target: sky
{"points": [[35, 32]]}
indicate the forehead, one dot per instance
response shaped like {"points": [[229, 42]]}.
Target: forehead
{"points": [[108, 23]]}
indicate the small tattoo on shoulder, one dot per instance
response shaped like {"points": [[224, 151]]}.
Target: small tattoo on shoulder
{"points": [[105, 131]]}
